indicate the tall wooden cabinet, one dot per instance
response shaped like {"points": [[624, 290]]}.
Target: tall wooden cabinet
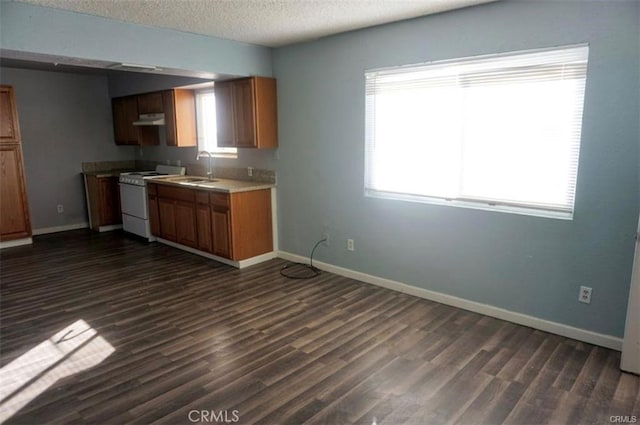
{"points": [[14, 208], [246, 113]]}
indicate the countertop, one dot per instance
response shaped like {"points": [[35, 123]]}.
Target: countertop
{"points": [[218, 185]]}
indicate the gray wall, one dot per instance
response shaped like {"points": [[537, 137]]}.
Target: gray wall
{"points": [[525, 264], [65, 119]]}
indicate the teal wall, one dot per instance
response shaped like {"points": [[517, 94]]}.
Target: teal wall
{"points": [[525, 264], [34, 29]]}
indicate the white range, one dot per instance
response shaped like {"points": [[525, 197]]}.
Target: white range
{"points": [[133, 198]]}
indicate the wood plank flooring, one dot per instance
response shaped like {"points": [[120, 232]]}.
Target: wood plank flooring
{"points": [[106, 329]]}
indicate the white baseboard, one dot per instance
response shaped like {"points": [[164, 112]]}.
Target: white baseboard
{"points": [[237, 264], [16, 242], [56, 229], [584, 335]]}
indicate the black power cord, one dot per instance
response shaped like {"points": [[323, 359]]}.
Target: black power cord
{"points": [[309, 270]]}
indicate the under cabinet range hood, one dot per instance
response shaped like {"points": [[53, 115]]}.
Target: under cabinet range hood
{"points": [[150, 119]]}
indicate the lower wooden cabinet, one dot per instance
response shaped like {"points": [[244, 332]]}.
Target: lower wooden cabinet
{"points": [[235, 226], [104, 201], [14, 207], [176, 215], [14, 210]]}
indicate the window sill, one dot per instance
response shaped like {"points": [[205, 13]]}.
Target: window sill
{"points": [[559, 215]]}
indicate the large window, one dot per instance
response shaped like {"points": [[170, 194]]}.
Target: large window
{"points": [[206, 123], [496, 132]]}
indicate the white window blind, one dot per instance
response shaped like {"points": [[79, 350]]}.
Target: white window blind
{"points": [[494, 131], [206, 124]]}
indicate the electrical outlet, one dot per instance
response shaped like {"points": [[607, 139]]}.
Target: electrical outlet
{"points": [[585, 294], [325, 236], [250, 171], [60, 208], [350, 245]]}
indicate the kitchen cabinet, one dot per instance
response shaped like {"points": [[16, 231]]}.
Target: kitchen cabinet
{"points": [[234, 226], [180, 117], [246, 113], [125, 112], [104, 202], [14, 208], [9, 128], [177, 215], [150, 103]]}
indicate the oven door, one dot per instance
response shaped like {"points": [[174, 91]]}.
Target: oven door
{"points": [[133, 200]]}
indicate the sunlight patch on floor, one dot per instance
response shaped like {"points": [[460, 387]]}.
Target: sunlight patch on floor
{"points": [[75, 348]]}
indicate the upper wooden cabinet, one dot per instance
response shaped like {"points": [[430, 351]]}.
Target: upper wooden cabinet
{"points": [[150, 103], [180, 117], [178, 106], [125, 112], [9, 128], [246, 113]]}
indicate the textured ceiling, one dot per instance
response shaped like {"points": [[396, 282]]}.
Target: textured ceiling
{"points": [[271, 23]]}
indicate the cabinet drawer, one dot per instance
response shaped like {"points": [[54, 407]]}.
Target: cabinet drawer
{"points": [[152, 189], [219, 199], [202, 197], [176, 193]]}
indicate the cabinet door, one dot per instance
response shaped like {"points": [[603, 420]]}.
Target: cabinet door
{"points": [[9, 128], [166, 209], [109, 204], [203, 222], [125, 112], [186, 232], [243, 110], [154, 216], [169, 106], [180, 117], [150, 103], [224, 114], [221, 223], [14, 213]]}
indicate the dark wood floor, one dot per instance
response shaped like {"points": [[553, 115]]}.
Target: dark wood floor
{"points": [[106, 329]]}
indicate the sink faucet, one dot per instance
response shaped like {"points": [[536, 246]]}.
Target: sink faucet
{"points": [[209, 155]]}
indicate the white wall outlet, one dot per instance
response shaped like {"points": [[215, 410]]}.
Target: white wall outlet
{"points": [[60, 208], [585, 295], [326, 238], [350, 245], [250, 171]]}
